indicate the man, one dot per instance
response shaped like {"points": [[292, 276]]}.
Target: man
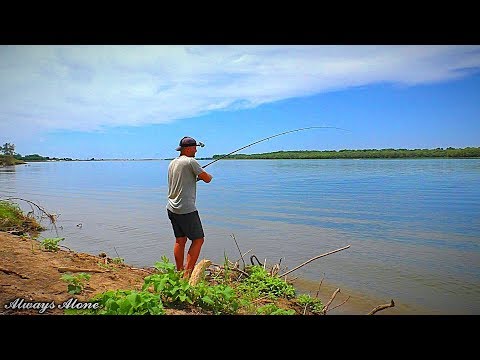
{"points": [[183, 174]]}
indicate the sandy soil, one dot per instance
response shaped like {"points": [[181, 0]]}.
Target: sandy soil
{"points": [[30, 274], [27, 272]]}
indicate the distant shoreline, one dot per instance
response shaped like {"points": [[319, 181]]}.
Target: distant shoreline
{"points": [[438, 153]]}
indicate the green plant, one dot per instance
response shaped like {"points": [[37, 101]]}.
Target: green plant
{"points": [[123, 302], [312, 304], [261, 283], [219, 298], [118, 260], [106, 266], [272, 309], [75, 282], [168, 289], [13, 219], [169, 283], [51, 244]]}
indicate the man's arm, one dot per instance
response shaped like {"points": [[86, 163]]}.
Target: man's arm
{"points": [[205, 177]]}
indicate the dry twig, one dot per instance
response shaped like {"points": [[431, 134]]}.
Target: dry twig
{"points": [[51, 217], [236, 269], [381, 307], [319, 285], [241, 256], [70, 269], [325, 309], [336, 306], [316, 257], [6, 271]]}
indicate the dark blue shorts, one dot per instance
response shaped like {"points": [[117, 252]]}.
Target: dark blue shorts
{"points": [[188, 225]]}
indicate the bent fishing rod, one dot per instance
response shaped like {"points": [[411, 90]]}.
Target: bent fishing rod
{"points": [[270, 137]]}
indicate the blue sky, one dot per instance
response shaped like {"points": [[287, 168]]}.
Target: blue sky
{"points": [[131, 101]]}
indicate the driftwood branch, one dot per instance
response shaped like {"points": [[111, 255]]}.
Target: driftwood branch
{"points": [[233, 268], [382, 307], [325, 309], [6, 271], [70, 269], [198, 272], [150, 271], [51, 217], [241, 256], [336, 306], [319, 286], [315, 258]]}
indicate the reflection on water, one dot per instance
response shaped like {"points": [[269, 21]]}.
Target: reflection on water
{"points": [[413, 225], [7, 169]]}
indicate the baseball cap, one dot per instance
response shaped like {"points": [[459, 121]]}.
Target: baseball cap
{"points": [[188, 141]]}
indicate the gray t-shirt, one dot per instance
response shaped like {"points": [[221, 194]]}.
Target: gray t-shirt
{"points": [[182, 184]]}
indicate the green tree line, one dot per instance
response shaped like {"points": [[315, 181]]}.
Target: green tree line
{"points": [[468, 152], [9, 157]]}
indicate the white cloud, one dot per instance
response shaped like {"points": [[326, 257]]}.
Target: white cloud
{"points": [[91, 87]]}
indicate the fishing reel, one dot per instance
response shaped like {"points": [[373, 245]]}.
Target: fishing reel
{"points": [[200, 144]]}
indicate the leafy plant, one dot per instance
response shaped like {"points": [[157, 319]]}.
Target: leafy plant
{"points": [[219, 298], [272, 309], [118, 260], [313, 304], [76, 283], [225, 295], [12, 218], [124, 302], [51, 244], [261, 283], [169, 283], [105, 266]]}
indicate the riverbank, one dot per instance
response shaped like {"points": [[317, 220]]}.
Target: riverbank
{"points": [[34, 272], [29, 274]]}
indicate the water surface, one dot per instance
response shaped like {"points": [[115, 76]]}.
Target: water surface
{"points": [[413, 226]]}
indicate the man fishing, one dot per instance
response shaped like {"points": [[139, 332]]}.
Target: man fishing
{"points": [[183, 174]]}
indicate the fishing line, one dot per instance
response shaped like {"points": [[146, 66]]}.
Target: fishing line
{"points": [[270, 137]]}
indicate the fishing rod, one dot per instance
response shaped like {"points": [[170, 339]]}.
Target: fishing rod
{"points": [[270, 137]]}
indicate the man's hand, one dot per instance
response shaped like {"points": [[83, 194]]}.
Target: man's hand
{"points": [[206, 177]]}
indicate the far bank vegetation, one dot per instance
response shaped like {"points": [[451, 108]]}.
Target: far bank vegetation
{"points": [[468, 152], [9, 157]]}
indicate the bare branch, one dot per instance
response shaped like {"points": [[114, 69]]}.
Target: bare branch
{"points": [[7, 271], [340, 304], [325, 309], [241, 256], [70, 269], [236, 269], [319, 285], [51, 217], [382, 307], [316, 257], [305, 309]]}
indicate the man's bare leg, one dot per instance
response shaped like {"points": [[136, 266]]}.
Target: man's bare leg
{"points": [[192, 255], [179, 251]]}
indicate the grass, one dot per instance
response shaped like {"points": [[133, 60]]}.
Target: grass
{"points": [[13, 220], [8, 160]]}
